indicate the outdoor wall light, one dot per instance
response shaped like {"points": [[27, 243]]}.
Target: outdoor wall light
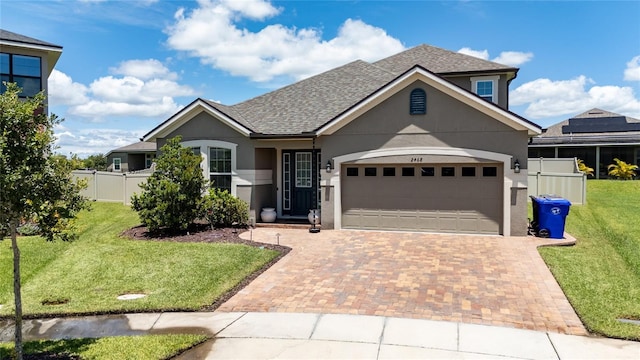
{"points": [[516, 166], [328, 166]]}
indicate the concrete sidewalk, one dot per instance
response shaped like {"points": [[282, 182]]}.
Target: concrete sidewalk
{"points": [[334, 336]]}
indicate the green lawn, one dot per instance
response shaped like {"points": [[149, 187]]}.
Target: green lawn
{"points": [[151, 347], [87, 275], [601, 274]]}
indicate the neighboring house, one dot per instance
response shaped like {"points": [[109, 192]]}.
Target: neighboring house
{"points": [[596, 136], [26, 61], [422, 140], [133, 157]]}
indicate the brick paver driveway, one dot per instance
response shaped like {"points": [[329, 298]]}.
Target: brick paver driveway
{"points": [[464, 278]]}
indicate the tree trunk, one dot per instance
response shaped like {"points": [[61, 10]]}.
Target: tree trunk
{"points": [[16, 287]]}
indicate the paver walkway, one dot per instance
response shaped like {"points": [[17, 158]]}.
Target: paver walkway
{"points": [[489, 280]]}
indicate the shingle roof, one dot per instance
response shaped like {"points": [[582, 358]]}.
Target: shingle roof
{"points": [[305, 106], [308, 104], [439, 61], [140, 146], [623, 129], [11, 36]]}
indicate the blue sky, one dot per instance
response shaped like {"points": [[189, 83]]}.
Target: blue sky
{"points": [[128, 65]]}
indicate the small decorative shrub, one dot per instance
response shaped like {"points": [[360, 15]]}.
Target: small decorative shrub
{"points": [[221, 209], [584, 168], [621, 170]]}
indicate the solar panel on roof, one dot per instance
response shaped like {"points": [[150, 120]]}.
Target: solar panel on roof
{"points": [[600, 124]]}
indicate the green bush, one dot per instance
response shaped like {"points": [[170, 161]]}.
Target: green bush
{"points": [[172, 196], [221, 209]]}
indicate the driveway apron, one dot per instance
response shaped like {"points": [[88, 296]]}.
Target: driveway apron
{"points": [[489, 280]]}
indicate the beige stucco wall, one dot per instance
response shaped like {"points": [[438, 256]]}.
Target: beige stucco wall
{"points": [[448, 123], [503, 87], [205, 127]]}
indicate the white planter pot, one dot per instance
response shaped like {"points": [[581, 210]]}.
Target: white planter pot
{"points": [[268, 215]]}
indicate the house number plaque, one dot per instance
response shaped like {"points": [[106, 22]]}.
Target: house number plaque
{"points": [[416, 159]]}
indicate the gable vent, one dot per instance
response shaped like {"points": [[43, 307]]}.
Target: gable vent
{"points": [[418, 102]]}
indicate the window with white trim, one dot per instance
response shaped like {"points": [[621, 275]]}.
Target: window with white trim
{"points": [[220, 168], [486, 87], [117, 164], [218, 162]]}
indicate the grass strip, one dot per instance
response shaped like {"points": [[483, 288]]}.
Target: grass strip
{"points": [[601, 274], [147, 347]]}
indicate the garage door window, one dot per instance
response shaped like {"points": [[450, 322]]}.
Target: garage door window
{"points": [[352, 171], [489, 171], [428, 171], [408, 171], [468, 171], [448, 171], [370, 171], [388, 171]]}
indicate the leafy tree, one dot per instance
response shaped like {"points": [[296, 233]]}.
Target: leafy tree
{"points": [[584, 168], [172, 195], [621, 170], [72, 163], [96, 162], [33, 185]]}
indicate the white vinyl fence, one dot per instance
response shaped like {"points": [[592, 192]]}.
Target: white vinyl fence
{"points": [[111, 186], [558, 177]]}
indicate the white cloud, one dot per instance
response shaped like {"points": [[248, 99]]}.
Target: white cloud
{"points": [[147, 89], [210, 33], [632, 72], [144, 69], [481, 54], [93, 141], [63, 91], [510, 58], [548, 98], [513, 58]]}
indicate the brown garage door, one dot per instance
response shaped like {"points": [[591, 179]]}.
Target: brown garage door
{"points": [[460, 198]]}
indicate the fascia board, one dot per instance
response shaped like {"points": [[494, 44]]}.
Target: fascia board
{"points": [[440, 84], [53, 52], [188, 113]]}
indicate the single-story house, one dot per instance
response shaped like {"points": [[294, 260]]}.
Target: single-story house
{"points": [[133, 157], [422, 140], [595, 136]]}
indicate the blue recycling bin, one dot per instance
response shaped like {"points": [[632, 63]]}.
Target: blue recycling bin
{"points": [[549, 215]]}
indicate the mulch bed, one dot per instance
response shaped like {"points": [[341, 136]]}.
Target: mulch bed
{"points": [[203, 233]]}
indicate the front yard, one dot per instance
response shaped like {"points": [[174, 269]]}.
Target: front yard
{"points": [[86, 276], [601, 274]]}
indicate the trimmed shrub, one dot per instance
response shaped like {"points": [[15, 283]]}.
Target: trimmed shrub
{"points": [[221, 209], [172, 196]]}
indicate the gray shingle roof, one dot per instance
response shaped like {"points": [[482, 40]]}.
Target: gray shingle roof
{"points": [[11, 36], [554, 134], [309, 104], [439, 61], [140, 146]]}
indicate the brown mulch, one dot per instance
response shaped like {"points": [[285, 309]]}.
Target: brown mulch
{"points": [[203, 233]]}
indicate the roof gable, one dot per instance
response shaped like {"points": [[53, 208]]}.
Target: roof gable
{"points": [[189, 112], [418, 73]]}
